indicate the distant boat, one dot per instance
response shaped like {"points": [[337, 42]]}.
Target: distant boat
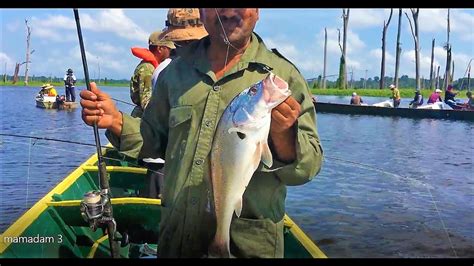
{"points": [[54, 227], [382, 110], [50, 102]]}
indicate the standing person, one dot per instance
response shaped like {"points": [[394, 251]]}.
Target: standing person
{"points": [[191, 95], [435, 97], [417, 100], [395, 96], [69, 83], [356, 99], [183, 26], [140, 83]]}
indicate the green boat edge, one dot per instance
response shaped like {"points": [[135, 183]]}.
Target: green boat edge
{"points": [[54, 228]]}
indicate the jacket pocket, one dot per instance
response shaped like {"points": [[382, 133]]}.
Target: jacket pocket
{"points": [[256, 238], [179, 115]]}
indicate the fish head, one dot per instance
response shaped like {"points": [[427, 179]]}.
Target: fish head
{"points": [[256, 102]]}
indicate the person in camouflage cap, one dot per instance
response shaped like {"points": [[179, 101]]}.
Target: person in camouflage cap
{"points": [[183, 26], [158, 50]]}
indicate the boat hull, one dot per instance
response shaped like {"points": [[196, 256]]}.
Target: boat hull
{"points": [[54, 228], [399, 112]]}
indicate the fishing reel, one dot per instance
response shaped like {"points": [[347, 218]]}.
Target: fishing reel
{"points": [[93, 207], [94, 212]]}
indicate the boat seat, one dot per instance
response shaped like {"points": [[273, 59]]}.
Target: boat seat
{"points": [[138, 217]]}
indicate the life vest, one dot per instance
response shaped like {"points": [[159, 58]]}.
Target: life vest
{"points": [[145, 55]]}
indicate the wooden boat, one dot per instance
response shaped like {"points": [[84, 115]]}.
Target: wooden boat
{"points": [[54, 227], [49, 102], [323, 107]]}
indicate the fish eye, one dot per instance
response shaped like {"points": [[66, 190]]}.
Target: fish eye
{"points": [[252, 91]]}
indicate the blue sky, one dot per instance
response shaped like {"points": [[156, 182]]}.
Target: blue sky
{"points": [[297, 33]]}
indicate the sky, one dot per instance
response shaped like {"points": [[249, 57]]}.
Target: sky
{"points": [[296, 33]]}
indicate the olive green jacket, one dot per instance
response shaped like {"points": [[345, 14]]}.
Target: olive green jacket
{"points": [[141, 87], [179, 125]]}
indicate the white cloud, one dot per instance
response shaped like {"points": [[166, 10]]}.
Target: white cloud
{"points": [[111, 20], [115, 21], [108, 48], [366, 18], [4, 58], [13, 26]]}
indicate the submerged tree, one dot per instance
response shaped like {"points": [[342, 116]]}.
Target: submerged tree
{"points": [[382, 64], [399, 49], [325, 56], [415, 12], [447, 47], [342, 80], [28, 34], [432, 74]]}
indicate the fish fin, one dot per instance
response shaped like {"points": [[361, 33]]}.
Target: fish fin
{"points": [[238, 207], [267, 157]]}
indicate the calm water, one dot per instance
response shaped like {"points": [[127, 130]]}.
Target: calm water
{"points": [[389, 187]]}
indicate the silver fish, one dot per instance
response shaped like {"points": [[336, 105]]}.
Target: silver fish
{"points": [[240, 143]]}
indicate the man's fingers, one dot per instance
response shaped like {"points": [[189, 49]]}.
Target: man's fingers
{"points": [[92, 112], [89, 104], [88, 95]]}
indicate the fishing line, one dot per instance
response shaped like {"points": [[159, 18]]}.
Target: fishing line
{"points": [[81, 153], [361, 165], [28, 174], [52, 139], [122, 101], [442, 223]]}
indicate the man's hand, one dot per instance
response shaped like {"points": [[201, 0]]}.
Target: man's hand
{"points": [[98, 106], [282, 132]]}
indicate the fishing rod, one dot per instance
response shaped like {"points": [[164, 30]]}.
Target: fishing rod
{"points": [[96, 207]]}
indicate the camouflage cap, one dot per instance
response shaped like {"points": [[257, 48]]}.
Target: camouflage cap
{"points": [[156, 38], [184, 24]]}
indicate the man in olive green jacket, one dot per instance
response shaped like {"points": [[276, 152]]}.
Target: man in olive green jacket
{"points": [[190, 96]]}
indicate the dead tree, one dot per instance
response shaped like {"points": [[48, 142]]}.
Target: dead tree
{"points": [[382, 65], [452, 75], [342, 82], [399, 49], [325, 54], [415, 12], [432, 76], [28, 34], [447, 47], [437, 85]]}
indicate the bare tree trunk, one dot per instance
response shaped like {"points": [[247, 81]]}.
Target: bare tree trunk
{"points": [[452, 75], [469, 79], [325, 56], [15, 74], [432, 77], [28, 34], [382, 64], [342, 67], [448, 57], [437, 85], [399, 49], [415, 12]]}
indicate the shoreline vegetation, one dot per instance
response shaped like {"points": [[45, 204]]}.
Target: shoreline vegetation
{"points": [[404, 92]]}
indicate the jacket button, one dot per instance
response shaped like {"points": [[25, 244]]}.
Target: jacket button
{"points": [[208, 123], [193, 200], [198, 161], [216, 88]]}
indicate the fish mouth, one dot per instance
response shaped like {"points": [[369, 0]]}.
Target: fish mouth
{"points": [[276, 90]]}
